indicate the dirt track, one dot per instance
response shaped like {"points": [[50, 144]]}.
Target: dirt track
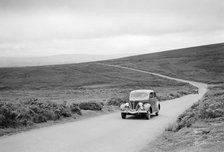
{"points": [[104, 133]]}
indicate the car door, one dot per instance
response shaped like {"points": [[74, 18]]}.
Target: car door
{"points": [[152, 101]]}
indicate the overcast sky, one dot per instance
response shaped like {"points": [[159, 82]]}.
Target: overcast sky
{"points": [[48, 27]]}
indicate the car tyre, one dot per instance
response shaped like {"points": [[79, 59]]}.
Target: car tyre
{"points": [[148, 115], [157, 112], [123, 115]]}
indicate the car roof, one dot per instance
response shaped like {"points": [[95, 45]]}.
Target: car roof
{"points": [[143, 90]]}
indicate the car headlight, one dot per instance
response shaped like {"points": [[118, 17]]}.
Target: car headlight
{"points": [[127, 104], [141, 105], [146, 106], [124, 106]]}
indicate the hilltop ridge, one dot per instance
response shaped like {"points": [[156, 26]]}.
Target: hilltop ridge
{"points": [[201, 63]]}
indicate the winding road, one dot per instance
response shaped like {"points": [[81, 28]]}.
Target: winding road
{"points": [[106, 133]]}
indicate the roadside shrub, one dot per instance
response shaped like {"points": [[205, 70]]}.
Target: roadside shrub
{"points": [[8, 114], [212, 109], [182, 93], [173, 96], [64, 111], [75, 108], [116, 101], [24, 116], [187, 118], [163, 98], [33, 111], [211, 106], [90, 106], [39, 119], [102, 103]]}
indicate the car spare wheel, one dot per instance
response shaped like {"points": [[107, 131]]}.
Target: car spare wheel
{"points": [[123, 115]]}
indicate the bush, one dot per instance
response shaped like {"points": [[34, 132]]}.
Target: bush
{"points": [[8, 114], [33, 111], [90, 106], [187, 118], [211, 106], [75, 108], [116, 101], [64, 110], [211, 110]]}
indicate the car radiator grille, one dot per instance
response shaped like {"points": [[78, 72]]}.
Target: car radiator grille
{"points": [[133, 104]]}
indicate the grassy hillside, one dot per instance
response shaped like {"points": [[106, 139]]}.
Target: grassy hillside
{"points": [[81, 82], [202, 63], [32, 95], [37, 94]]}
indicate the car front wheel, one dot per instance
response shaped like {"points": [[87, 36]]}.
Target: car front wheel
{"points": [[148, 115], [123, 115]]}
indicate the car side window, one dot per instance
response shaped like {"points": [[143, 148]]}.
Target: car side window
{"points": [[151, 95], [154, 94]]}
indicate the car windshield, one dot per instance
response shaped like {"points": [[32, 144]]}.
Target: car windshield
{"points": [[139, 95]]}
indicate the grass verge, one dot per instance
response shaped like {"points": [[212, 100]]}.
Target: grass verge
{"points": [[200, 128], [17, 117]]}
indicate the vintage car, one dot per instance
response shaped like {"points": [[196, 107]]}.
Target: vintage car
{"points": [[141, 102]]}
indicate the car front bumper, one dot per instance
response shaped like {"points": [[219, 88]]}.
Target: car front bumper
{"points": [[134, 112]]}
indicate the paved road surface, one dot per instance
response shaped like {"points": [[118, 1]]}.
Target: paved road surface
{"points": [[107, 133]]}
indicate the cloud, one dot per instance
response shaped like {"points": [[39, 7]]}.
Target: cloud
{"points": [[99, 25], [123, 44]]}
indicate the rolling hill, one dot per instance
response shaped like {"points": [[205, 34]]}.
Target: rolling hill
{"points": [[82, 82], [90, 81], [201, 63], [54, 59]]}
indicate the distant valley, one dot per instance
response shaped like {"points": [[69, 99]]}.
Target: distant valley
{"points": [[54, 60]]}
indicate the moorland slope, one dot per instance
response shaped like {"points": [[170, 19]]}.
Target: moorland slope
{"points": [[77, 82], [83, 82], [201, 63], [33, 95]]}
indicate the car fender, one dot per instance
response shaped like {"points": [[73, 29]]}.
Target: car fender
{"points": [[122, 106], [157, 106], [147, 106]]}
